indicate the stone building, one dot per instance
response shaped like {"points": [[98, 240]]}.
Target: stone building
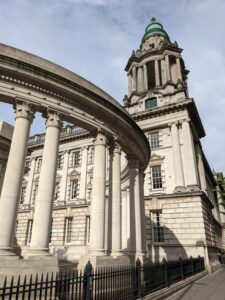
{"points": [[181, 212]]}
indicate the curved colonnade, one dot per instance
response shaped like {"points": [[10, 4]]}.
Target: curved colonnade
{"points": [[33, 84]]}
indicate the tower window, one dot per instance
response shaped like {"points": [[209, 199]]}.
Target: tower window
{"points": [[150, 103], [151, 74]]}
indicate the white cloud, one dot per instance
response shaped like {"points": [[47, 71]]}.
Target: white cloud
{"points": [[95, 38]]}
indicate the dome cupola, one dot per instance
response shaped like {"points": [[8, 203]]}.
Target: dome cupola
{"points": [[155, 29]]}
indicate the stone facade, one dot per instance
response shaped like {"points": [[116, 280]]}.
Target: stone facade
{"points": [[181, 212]]}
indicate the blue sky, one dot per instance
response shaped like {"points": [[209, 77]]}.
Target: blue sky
{"points": [[94, 38]]}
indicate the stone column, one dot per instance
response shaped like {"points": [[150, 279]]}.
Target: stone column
{"points": [[190, 166], [177, 159], [163, 71], [134, 79], [157, 78], [63, 184], [10, 195], [96, 246], [128, 231], [145, 73], [201, 170], [168, 73], [136, 238], [116, 201], [129, 85], [30, 181], [142, 204], [179, 75], [83, 177], [124, 220], [43, 207], [140, 79]]}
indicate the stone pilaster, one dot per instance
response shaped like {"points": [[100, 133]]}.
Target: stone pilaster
{"points": [[129, 84], [10, 195], [177, 158], [83, 177], [44, 202], [134, 79], [63, 184], [124, 220], [145, 77], [140, 79], [190, 165], [168, 72], [157, 78], [30, 181], [96, 246], [179, 75], [116, 201]]}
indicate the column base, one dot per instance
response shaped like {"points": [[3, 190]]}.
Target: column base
{"points": [[116, 253]]}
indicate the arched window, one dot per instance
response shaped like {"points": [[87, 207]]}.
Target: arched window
{"points": [[150, 103]]}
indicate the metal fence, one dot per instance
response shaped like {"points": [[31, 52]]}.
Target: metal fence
{"points": [[106, 283]]}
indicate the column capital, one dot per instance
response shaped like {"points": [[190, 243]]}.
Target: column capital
{"points": [[176, 123], [53, 119], [24, 110], [100, 139]]}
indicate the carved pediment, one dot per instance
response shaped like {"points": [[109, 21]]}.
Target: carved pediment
{"points": [[73, 172], [156, 157]]}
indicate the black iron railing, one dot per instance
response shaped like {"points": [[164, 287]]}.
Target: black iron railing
{"points": [[113, 283]]}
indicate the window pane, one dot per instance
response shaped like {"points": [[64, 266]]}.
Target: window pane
{"points": [[74, 188], [154, 140], [68, 231], [156, 177], [158, 230], [150, 103], [75, 158]]}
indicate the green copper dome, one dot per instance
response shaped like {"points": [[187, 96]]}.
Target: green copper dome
{"points": [[155, 28]]}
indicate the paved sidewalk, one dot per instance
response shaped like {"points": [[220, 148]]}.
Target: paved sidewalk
{"points": [[210, 287]]}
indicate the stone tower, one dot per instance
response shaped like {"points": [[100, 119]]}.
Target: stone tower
{"points": [[179, 200]]}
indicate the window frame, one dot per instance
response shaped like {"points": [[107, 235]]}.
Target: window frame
{"points": [[154, 143], [73, 194], [68, 230], [160, 178], [151, 103], [76, 161], [29, 231], [157, 218]]}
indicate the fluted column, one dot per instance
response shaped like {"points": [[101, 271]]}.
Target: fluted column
{"points": [[145, 77], [43, 208], [96, 246], [83, 179], [157, 78], [179, 75], [190, 168], [129, 84], [168, 72], [140, 79], [134, 79], [63, 184], [177, 159], [10, 195], [116, 201]]}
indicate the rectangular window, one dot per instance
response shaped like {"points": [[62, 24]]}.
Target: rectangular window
{"points": [[50, 233], [156, 173], [38, 165], [158, 231], [29, 231], [150, 103], [56, 195], [34, 193], [154, 140], [76, 159], [68, 230], [87, 233], [59, 161], [23, 194], [74, 188]]}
